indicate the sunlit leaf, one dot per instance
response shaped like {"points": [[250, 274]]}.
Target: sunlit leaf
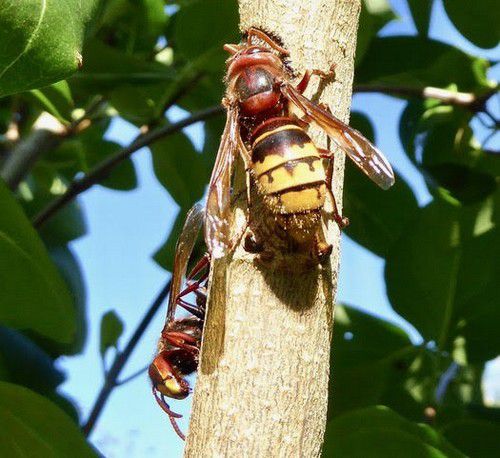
{"points": [[41, 41], [56, 99], [446, 264], [180, 169]]}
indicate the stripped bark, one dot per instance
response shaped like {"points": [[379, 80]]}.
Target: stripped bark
{"points": [[262, 385]]}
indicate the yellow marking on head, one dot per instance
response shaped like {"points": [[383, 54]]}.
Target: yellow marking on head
{"points": [[292, 152], [302, 173]]}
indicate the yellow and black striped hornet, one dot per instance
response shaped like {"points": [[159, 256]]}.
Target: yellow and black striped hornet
{"points": [[180, 341], [267, 118]]}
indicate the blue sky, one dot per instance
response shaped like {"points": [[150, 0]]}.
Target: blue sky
{"points": [[126, 228]]}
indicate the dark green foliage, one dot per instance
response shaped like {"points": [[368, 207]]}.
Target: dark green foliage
{"points": [[388, 396], [33, 295], [421, 13], [31, 423], [478, 21]]}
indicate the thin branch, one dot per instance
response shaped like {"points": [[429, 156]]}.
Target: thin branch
{"points": [[467, 100], [445, 380], [110, 382], [103, 169], [132, 376], [47, 133], [26, 152]]}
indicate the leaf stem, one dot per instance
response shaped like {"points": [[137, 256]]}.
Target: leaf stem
{"points": [[103, 169], [111, 379]]}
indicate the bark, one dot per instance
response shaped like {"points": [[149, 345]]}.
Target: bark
{"points": [[262, 387]]}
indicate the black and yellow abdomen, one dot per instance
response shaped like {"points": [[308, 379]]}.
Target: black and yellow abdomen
{"points": [[288, 168]]}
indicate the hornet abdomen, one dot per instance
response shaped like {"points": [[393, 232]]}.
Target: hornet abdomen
{"points": [[287, 167]]}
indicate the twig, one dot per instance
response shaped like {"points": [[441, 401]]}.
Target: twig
{"points": [[132, 376], [103, 169], [445, 380], [47, 134], [26, 152], [110, 381], [467, 100]]}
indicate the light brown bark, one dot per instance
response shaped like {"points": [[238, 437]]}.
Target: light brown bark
{"points": [[262, 386]]}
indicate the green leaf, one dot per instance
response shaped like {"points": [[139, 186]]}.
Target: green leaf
{"points": [[201, 46], [207, 92], [419, 62], [193, 37], [421, 13], [27, 364], [56, 99], [105, 68], [33, 295], [111, 330], [66, 225], [70, 269], [380, 432], [41, 42], [123, 177], [133, 26], [446, 262], [82, 154], [476, 438], [375, 14], [439, 140], [477, 21], [377, 217], [33, 425], [180, 169], [367, 353]]}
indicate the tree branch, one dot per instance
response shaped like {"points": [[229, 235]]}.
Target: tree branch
{"points": [[262, 385], [102, 170], [111, 379], [47, 133], [467, 100]]}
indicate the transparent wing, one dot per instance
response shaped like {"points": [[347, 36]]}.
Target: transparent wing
{"points": [[364, 154], [217, 213], [183, 250]]}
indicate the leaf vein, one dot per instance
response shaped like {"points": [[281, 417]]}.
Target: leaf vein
{"points": [[30, 39]]}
